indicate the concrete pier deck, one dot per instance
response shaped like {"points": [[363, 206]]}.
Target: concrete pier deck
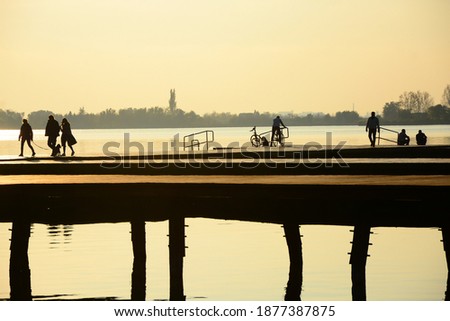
{"points": [[275, 187], [332, 204], [390, 160], [392, 187]]}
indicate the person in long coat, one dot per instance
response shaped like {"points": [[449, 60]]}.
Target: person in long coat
{"points": [[67, 137]]}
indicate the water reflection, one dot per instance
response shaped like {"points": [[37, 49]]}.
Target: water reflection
{"points": [[59, 235], [20, 283]]}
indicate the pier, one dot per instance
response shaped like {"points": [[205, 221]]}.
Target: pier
{"points": [[409, 188]]}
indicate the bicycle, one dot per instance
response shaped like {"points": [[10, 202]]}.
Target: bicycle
{"points": [[258, 140]]}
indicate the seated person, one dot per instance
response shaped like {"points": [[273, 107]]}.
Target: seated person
{"points": [[402, 138], [421, 138]]}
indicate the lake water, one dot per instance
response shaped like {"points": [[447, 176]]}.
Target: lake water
{"points": [[225, 260], [94, 142], [228, 260]]}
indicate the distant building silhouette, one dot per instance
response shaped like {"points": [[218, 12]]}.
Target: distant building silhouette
{"points": [[172, 101]]}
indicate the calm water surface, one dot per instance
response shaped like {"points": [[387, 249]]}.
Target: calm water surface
{"points": [[225, 260], [228, 260], [94, 142]]}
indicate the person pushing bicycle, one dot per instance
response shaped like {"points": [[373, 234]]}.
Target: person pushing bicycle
{"points": [[276, 129]]}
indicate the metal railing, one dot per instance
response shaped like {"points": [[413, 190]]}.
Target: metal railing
{"points": [[284, 132], [198, 138], [387, 139]]}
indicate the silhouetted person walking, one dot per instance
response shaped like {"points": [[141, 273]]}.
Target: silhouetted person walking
{"points": [[26, 135], [52, 132], [373, 125], [402, 138], [276, 129], [421, 138], [67, 137]]}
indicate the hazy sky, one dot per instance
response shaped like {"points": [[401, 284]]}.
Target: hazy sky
{"points": [[221, 55]]}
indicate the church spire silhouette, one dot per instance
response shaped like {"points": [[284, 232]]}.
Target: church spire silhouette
{"points": [[172, 101]]}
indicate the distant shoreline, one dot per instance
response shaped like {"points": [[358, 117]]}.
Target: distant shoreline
{"points": [[240, 125], [157, 117]]}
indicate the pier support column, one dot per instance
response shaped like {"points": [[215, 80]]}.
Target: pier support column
{"points": [[138, 276], [358, 259], [294, 243], [176, 255], [446, 241], [19, 268]]}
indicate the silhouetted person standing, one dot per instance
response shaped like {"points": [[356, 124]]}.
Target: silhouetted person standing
{"points": [[276, 129], [67, 137], [26, 135], [421, 138], [373, 125], [52, 132], [402, 138]]}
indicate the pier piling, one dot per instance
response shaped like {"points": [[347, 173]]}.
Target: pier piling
{"points": [[358, 259], [19, 268], [446, 241], [138, 276], [176, 255], [294, 243]]}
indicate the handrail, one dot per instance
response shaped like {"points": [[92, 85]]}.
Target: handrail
{"points": [[389, 130], [282, 132], [189, 141], [387, 139]]}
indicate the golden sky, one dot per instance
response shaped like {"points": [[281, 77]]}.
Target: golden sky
{"points": [[221, 55]]}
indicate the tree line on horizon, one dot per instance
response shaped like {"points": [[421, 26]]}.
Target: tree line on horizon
{"points": [[411, 108]]}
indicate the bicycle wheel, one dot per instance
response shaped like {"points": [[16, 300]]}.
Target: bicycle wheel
{"points": [[255, 140]]}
